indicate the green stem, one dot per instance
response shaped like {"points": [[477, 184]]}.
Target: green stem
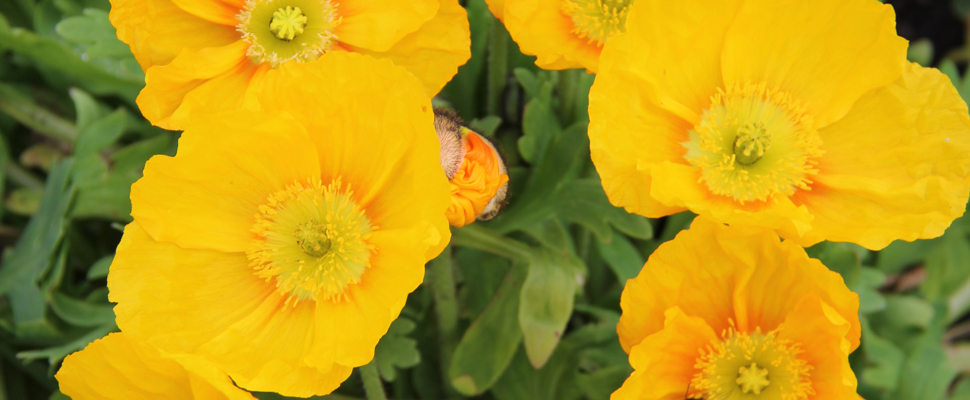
{"points": [[498, 66], [476, 237], [24, 110], [22, 177], [567, 91], [372, 381], [446, 307]]}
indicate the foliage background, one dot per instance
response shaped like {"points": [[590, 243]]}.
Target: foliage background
{"points": [[538, 286]]}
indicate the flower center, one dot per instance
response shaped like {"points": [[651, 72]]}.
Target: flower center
{"points": [[597, 20], [312, 239], [280, 31], [745, 364], [752, 379], [753, 143], [287, 23]]}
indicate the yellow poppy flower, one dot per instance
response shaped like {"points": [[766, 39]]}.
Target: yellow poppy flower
{"points": [[728, 313], [563, 34], [204, 56], [803, 117], [281, 244], [116, 367], [475, 169]]}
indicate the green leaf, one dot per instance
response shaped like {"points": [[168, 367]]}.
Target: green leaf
{"points": [[100, 268], [925, 375], [41, 155], [482, 273], [921, 52], [100, 133], [584, 202], [600, 384], [94, 30], [546, 302], [4, 159], [81, 313], [491, 341], [104, 193], [552, 234], [539, 126], [57, 353], [24, 201], [962, 390], [947, 266], [486, 126], [529, 82], [870, 300], [86, 107], [904, 311], [122, 80], [885, 360], [556, 380], [622, 257], [35, 252], [396, 350]]}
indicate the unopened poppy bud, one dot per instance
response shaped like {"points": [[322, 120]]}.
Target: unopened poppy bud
{"points": [[474, 166], [448, 125]]}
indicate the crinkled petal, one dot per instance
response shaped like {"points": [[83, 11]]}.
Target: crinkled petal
{"points": [[663, 362], [825, 53], [820, 332], [784, 276], [721, 273], [117, 367], [158, 30], [541, 29], [435, 51], [197, 82], [227, 166], [216, 11], [896, 167], [377, 25]]}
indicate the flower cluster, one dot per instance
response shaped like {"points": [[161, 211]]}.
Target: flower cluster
{"points": [[314, 180]]}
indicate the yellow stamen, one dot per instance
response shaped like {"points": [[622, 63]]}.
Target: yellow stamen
{"points": [[753, 143], [287, 23], [312, 240], [597, 20], [752, 379], [740, 364], [280, 31]]}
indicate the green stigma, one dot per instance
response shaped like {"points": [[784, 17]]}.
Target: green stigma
{"points": [[752, 142], [312, 238], [287, 23]]}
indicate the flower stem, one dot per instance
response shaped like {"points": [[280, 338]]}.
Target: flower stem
{"points": [[476, 237], [498, 66], [446, 307], [372, 381]]}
